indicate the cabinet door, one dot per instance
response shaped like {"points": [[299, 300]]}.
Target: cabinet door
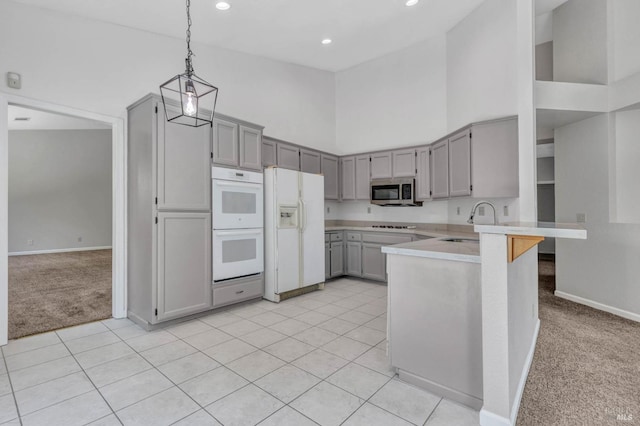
{"points": [[404, 163], [184, 167], [288, 157], [183, 264], [327, 260], [250, 148], [363, 173], [354, 259], [374, 265], [348, 169], [440, 169], [381, 165], [225, 142], [268, 152], [309, 161], [329, 166], [460, 165], [337, 259], [423, 177]]}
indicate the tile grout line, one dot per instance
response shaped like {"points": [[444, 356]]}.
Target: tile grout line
{"points": [[432, 411], [13, 394]]}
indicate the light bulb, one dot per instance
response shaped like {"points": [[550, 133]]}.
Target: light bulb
{"points": [[190, 109]]}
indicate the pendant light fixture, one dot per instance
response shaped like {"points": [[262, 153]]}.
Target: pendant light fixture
{"points": [[188, 99]]}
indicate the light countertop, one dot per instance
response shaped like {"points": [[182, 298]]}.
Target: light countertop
{"points": [[438, 248], [542, 229]]}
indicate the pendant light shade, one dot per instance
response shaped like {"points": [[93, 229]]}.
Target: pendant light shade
{"points": [[188, 99]]}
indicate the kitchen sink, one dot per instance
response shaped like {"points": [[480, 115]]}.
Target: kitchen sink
{"points": [[460, 240]]}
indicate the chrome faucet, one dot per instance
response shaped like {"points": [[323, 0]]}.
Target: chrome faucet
{"points": [[473, 212]]}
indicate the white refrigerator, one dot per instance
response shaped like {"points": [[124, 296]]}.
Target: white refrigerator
{"points": [[294, 231]]}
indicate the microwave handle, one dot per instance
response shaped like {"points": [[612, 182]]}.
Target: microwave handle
{"points": [[237, 184], [235, 232]]}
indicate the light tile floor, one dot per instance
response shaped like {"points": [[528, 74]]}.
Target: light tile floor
{"points": [[315, 359]]}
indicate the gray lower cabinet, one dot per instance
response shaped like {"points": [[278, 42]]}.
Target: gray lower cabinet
{"points": [[337, 259], [236, 143], [184, 264], [309, 161], [354, 258], [269, 152], [327, 258], [329, 168], [288, 156], [374, 262], [168, 240]]}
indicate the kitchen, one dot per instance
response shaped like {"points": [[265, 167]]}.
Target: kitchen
{"points": [[346, 115]]}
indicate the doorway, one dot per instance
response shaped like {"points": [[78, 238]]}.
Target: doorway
{"points": [[60, 209], [118, 200]]}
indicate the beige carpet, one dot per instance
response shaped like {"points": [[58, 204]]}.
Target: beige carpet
{"points": [[586, 367], [52, 291]]}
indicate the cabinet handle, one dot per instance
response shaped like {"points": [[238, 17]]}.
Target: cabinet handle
{"points": [[240, 292]]}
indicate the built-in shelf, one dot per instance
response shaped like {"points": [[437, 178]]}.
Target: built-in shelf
{"points": [[545, 150], [546, 182]]}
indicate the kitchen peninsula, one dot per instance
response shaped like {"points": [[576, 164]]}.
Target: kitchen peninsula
{"points": [[480, 302]]}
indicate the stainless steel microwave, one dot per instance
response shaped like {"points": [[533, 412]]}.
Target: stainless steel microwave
{"points": [[393, 192]]}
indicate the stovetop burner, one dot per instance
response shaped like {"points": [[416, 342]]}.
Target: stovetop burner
{"points": [[395, 226]]}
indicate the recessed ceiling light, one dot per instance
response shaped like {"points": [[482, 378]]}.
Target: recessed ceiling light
{"points": [[327, 41], [411, 2], [223, 5]]}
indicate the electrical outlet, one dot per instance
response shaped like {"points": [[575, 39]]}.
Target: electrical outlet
{"points": [[29, 242], [581, 217], [79, 239], [368, 210], [328, 209], [481, 210], [505, 210], [458, 211]]}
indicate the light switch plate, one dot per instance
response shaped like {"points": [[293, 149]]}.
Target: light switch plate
{"points": [[506, 210], [581, 217], [458, 211]]}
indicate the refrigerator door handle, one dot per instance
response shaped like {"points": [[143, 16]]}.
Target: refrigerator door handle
{"points": [[303, 213]]}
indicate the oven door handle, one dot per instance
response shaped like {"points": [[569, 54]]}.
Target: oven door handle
{"points": [[233, 233], [237, 184]]}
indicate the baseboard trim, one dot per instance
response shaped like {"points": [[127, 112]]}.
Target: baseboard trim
{"points": [[67, 250], [600, 306], [488, 418]]}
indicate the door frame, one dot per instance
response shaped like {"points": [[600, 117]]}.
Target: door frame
{"points": [[119, 202]]}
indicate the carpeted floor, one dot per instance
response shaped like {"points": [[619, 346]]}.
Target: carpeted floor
{"points": [[586, 367], [51, 291]]}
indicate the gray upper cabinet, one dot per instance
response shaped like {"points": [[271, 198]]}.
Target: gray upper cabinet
{"points": [[225, 142], [348, 169], [236, 144], [184, 170], [440, 169], [184, 268], [269, 152], [460, 164], [309, 161], [404, 163], [329, 168], [381, 165], [250, 148], [363, 173], [288, 156], [423, 175], [494, 159]]}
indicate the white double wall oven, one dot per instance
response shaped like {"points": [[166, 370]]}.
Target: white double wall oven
{"points": [[238, 227]]}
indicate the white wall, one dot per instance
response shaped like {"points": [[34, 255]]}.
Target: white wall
{"points": [[59, 189], [626, 38], [626, 196], [102, 68], [481, 65], [604, 269], [393, 101], [580, 42]]}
